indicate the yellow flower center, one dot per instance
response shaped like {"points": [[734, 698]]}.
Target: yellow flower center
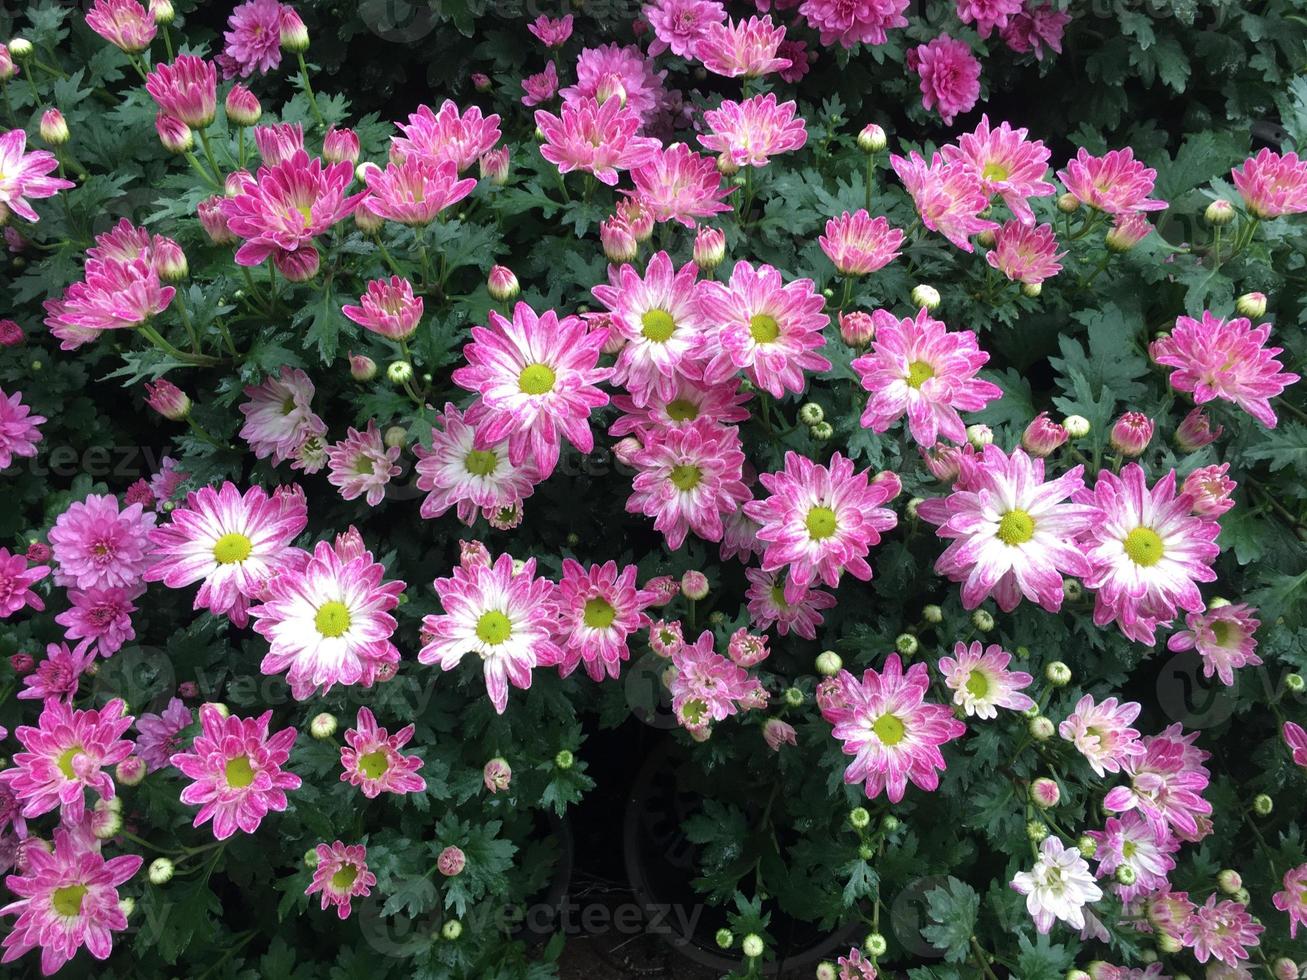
{"points": [[1016, 527], [374, 765], [480, 462], [332, 619], [239, 772], [658, 326], [994, 171], [919, 372], [232, 548], [682, 410], [343, 879], [493, 627], [778, 596], [820, 523], [1143, 546], [536, 379], [693, 710], [1223, 631], [685, 478], [977, 684], [599, 613], [65, 761], [68, 899], [889, 729], [763, 328]]}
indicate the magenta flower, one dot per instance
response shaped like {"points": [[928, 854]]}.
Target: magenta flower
{"points": [[614, 69], [1127, 231], [1224, 638], [598, 609], [689, 401], [988, 14], [1272, 184], [536, 377], [706, 687], [851, 24], [678, 25], [341, 875], [279, 416], [19, 429], [1195, 430], [540, 87], [595, 138], [372, 760], [1007, 163], [1211, 490], [187, 90], [1116, 182], [821, 521], [388, 308], [252, 39], [416, 191], [919, 368], [1034, 29], [748, 133], [1225, 359], [447, 136], [1296, 739], [115, 294], [858, 244], [1167, 782], [1221, 930], [981, 682], [1101, 732], [96, 545], [125, 24], [950, 76], [24, 176], [1025, 253], [1293, 900], [158, 736], [67, 898], [278, 142], [16, 581], [361, 465], [678, 184], [552, 32], [102, 616], [58, 675], [949, 197], [743, 47], [894, 734], [769, 606]]}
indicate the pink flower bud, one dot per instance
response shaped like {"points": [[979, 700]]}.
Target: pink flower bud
{"points": [[362, 367], [340, 146], [169, 260], [1195, 431], [746, 649], [665, 588], [1128, 231], [497, 775], [139, 493], [7, 67], [174, 134], [243, 107], [639, 219], [298, 266], [11, 334], [1043, 436], [167, 399], [1211, 490], [22, 663], [54, 127], [38, 553], [451, 861], [472, 554], [871, 139], [214, 222], [130, 771], [188, 689], [695, 585], [709, 248], [502, 284], [1131, 433], [349, 544], [294, 35], [481, 82], [666, 638], [618, 242], [777, 733], [1044, 792], [857, 328], [610, 87], [368, 221], [494, 166], [626, 449]]}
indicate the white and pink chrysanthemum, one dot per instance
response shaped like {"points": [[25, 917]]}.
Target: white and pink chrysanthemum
{"points": [[341, 875], [598, 609], [447, 136], [981, 682], [919, 368], [707, 687], [749, 133], [371, 759], [744, 47], [677, 184], [1293, 900], [1101, 732], [25, 177], [96, 545], [616, 68], [851, 24], [595, 138], [1116, 182], [1008, 164], [361, 465], [769, 605], [1211, 489], [1224, 638], [506, 618], [1132, 842], [1225, 359], [237, 773], [1166, 783], [949, 74], [858, 244], [388, 308], [17, 577], [279, 416], [1146, 551], [949, 197], [19, 428], [455, 473], [126, 24], [415, 190], [537, 378], [894, 734], [1223, 931], [1059, 886], [679, 24], [1025, 253], [1272, 184], [227, 540], [691, 400], [158, 736]]}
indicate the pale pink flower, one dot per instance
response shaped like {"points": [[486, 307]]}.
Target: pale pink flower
{"points": [[1223, 637], [689, 401], [388, 308], [279, 416], [16, 581], [746, 649], [361, 465], [988, 14], [415, 191], [1035, 28], [1293, 900], [1221, 930], [596, 138], [24, 176], [598, 610], [854, 22], [371, 759], [552, 32], [678, 184], [1059, 886], [455, 473], [777, 733], [341, 875], [679, 24], [540, 87], [768, 604], [58, 675], [981, 682], [1127, 231], [1211, 490], [102, 616], [1132, 842], [113, 295], [96, 545], [665, 638], [447, 136], [158, 736], [743, 47], [1116, 182], [1025, 253], [185, 90], [1101, 732], [856, 966], [19, 428], [125, 24], [252, 41], [598, 69], [858, 244], [750, 132], [949, 197], [706, 687], [949, 73], [1272, 184]]}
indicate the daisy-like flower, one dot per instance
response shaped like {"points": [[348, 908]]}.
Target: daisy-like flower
{"points": [[1116, 182], [852, 24], [768, 328], [1132, 842], [372, 760], [949, 197], [598, 609], [388, 308], [750, 132], [1013, 533], [1059, 886], [186, 90], [597, 138], [678, 184], [768, 604], [158, 736], [447, 136], [237, 771], [1293, 900], [66, 754], [125, 24], [114, 295], [1166, 783], [361, 465], [552, 32], [919, 368], [16, 581], [252, 39], [821, 521], [743, 47], [24, 177], [950, 76], [689, 401], [1272, 184], [279, 416], [508, 619], [665, 638], [894, 734], [688, 478], [1224, 638], [981, 682], [613, 68], [858, 244], [707, 687], [328, 623], [1101, 732], [19, 429], [1035, 28], [58, 675], [1296, 739], [1025, 253], [66, 898], [679, 24], [537, 376], [96, 545], [1225, 359], [227, 540], [341, 875], [1146, 551], [1221, 930], [415, 191], [455, 473], [658, 317]]}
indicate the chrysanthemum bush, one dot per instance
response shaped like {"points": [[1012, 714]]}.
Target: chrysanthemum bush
{"points": [[909, 394]]}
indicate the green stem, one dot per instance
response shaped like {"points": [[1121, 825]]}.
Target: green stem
{"points": [[135, 62], [200, 431], [385, 254], [240, 147], [208, 155], [186, 321], [154, 337], [167, 42], [308, 90], [199, 169], [36, 95], [871, 175], [848, 293]]}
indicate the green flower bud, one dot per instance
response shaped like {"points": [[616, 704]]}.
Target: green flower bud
{"points": [[752, 946], [859, 817], [725, 938]]}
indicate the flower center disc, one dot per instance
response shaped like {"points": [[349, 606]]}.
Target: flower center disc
{"points": [[763, 328], [536, 379], [658, 326], [65, 761], [1143, 546], [239, 772], [231, 548], [919, 372], [493, 627], [889, 729], [821, 523], [1223, 632], [480, 462], [332, 619], [682, 410], [599, 613], [685, 478], [68, 900], [977, 684], [374, 764], [1016, 527], [343, 879]]}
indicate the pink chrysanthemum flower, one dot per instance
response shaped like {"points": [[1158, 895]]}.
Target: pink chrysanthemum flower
{"points": [[799, 57], [707, 687], [1226, 359], [1059, 886], [1296, 739], [678, 184], [659, 318], [950, 76], [1132, 842], [856, 966], [288, 205], [16, 581], [1013, 533], [229, 541], [893, 732], [540, 87], [328, 623], [981, 682], [1035, 28], [186, 90], [25, 176], [1115, 182], [1101, 732], [1272, 184], [919, 368], [689, 401], [821, 521], [679, 24], [58, 675], [854, 22], [1293, 900], [388, 308], [95, 545], [159, 736], [688, 478], [372, 760], [1127, 231], [447, 136], [506, 618], [1025, 253], [665, 638], [768, 604], [102, 616], [1221, 930], [125, 24], [988, 14], [66, 754], [278, 142], [766, 327], [612, 67], [113, 295], [949, 197], [455, 473], [1166, 783], [597, 138], [552, 32], [1211, 490], [361, 465], [598, 609], [743, 47], [237, 771], [279, 416], [19, 429], [252, 39], [858, 244], [67, 898], [341, 875], [750, 132], [1224, 638], [1146, 552], [537, 376]]}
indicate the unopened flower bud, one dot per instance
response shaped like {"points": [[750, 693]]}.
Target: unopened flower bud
{"points": [[323, 725], [752, 946], [875, 944], [1229, 881], [859, 818], [980, 435], [21, 48], [982, 620], [160, 871], [167, 399], [502, 284], [857, 328], [1087, 846], [1285, 969], [906, 644], [827, 971], [497, 775], [871, 139], [362, 367], [1294, 682], [1036, 830], [709, 248], [218, 706], [242, 106], [618, 242], [1032, 290], [810, 413], [1045, 793], [311, 859], [494, 166], [1057, 673], [694, 585], [54, 127], [1251, 305], [162, 12], [1124, 874], [174, 134], [451, 861], [130, 771], [1131, 434], [1219, 212], [829, 663], [399, 372], [1263, 805], [564, 759], [451, 930], [294, 35], [1077, 426], [340, 146], [925, 296], [1068, 203], [1041, 728], [822, 431]]}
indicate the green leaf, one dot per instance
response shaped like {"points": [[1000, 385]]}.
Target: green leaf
{"points": [[1042, 960], [953, 909]]}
